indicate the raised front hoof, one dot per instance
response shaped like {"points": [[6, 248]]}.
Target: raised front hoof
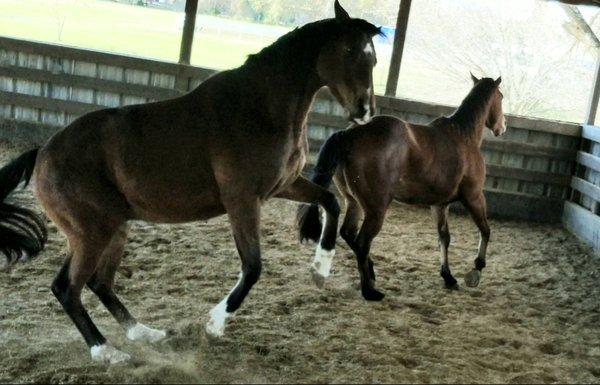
{"points": [[317, 277], [472, 278], [310, 227], [372, 295], [143, 333], [108, 354]]}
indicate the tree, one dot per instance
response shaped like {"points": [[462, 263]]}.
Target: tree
{"points": [[540, 64]]}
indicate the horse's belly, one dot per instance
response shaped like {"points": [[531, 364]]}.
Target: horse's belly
{"points": [[176, 210], [171, 198], [422, 193]]}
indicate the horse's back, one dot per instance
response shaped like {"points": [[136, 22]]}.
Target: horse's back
{"points": [[133, 158], [414, 163]]}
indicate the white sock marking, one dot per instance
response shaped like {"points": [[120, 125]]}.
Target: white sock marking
{"points": [[323, 261], [140, 332], [219, 314], [323, 258], [108, 354]]}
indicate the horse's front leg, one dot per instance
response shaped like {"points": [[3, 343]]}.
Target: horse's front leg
{"points": [[476, 206], [305, 191], [244, 216], [440, 215]]}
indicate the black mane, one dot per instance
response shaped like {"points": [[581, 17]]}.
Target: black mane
{"points": [[474, 105], [302, 45]]}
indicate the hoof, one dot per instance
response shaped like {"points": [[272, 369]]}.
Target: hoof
{"points": [[108, 354], [450, 283], [317, 278], [307, 241], [472, 278], [141, 332], [214, 329], [372, 295]]}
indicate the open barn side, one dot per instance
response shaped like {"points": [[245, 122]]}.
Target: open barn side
{"points": [[529, 168]]}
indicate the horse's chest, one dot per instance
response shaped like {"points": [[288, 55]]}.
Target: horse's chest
{"points": [[296, 160], [289, 170]]}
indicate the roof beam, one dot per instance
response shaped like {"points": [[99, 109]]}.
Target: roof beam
{"points": [[398, 48], [187, 38]]}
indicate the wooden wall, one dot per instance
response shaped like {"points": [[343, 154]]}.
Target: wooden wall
{"points": [[582, 211], [43, 87]]}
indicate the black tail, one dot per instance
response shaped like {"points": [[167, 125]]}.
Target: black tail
{"points": [[309, 223], [22, 232]]}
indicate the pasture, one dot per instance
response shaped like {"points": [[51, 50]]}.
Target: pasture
{"points": [[534, 317]]}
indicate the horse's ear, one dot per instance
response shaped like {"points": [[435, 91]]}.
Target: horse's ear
{"points": [[340, 12], [498, 81], [474, 78]]}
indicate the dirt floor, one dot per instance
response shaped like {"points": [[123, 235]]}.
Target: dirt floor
{"points": [[534, 318]]}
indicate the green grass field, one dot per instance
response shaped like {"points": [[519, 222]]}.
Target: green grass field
{"points": [[116, 28]]}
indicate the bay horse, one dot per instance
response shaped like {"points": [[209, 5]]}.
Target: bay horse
{"points": [[226, 147], [389, 159]]}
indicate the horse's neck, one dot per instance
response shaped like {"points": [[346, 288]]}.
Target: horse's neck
{"points": [[290, 97], [469, 121]]}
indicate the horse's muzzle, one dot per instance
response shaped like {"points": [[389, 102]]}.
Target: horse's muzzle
{"points": [[362, 116]]}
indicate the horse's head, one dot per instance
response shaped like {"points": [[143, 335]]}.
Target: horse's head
{"points": [[346, 62], [495, 120]]}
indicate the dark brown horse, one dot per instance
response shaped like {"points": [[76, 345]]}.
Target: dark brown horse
{"points": [[433, 165], [224, 148]]}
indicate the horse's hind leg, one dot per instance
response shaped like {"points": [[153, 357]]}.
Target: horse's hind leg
{"points": [[244, 216], [102, 284], [477, 208], [349, 229], [362, 247], [440, 214], [87, 249]]}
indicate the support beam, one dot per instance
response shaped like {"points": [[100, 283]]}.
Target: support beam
{"points": [[595, 96], [398, 49], [191, 6]]}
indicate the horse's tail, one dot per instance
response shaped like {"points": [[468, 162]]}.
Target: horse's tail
{"points": [[22, 232], [330, 155]]}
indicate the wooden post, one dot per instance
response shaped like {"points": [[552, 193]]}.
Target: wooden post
{"points": [[399, 39], [593, 104], [191, 6]]}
